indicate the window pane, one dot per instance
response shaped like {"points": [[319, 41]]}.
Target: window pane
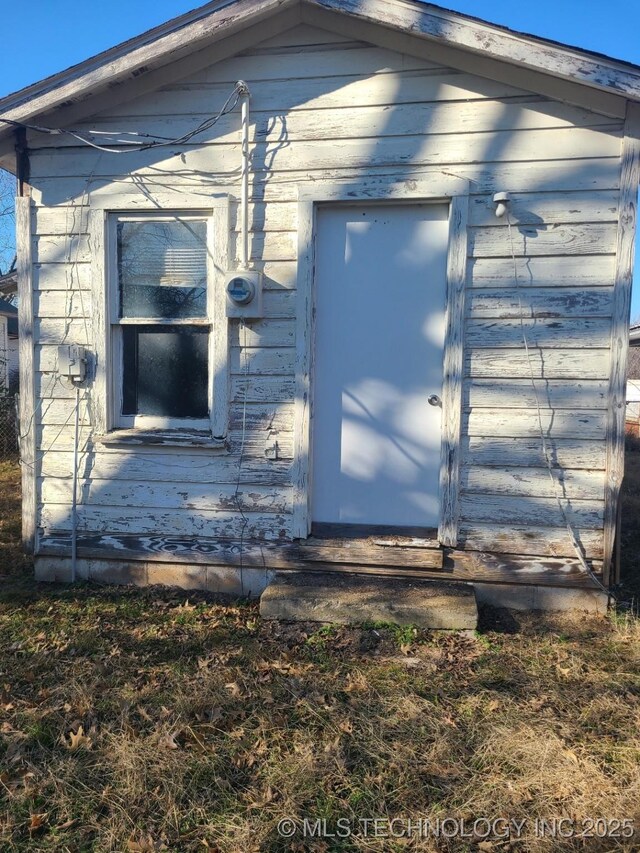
{"points": [[165, 371], [162, 268]]}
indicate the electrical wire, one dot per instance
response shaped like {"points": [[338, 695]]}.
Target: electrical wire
{"points": [[245, 520], [545, 450], [84, 136]]}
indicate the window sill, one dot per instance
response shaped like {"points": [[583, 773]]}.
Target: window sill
{"points": [[163, 438]]}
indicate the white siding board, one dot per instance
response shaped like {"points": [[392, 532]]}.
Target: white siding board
{"points": [[56, 304], [561, 332], [538, 512], [534, 482], [555, 271], [258, 389], [62, 249], [128, 494], [541, 174], [165, 467], [548, 393], [502, 452], [55, 438], [61, 276], [56, 331], [539, 302], [526, 208], [528, 539], [565, 143], [264, 333], [349, 59], [543, 363], [477, 116], [531, 240], [274, 360], [298, 38], [546, 209], [212, 524], [525, 423], [319, 93]]}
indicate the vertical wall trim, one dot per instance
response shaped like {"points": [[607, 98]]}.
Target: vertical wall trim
{"points": [[100, 393], [453, 370], [627, 213], [28, 419], [304, 356], [220, 327]]}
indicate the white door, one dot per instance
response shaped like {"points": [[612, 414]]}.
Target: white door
{"points": [[379, 340]]}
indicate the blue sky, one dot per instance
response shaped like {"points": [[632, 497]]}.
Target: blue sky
{"points": [[55, 34]]}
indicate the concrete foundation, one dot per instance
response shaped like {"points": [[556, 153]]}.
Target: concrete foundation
{"points": [[546, 598], [252, 582], [248, 583]]}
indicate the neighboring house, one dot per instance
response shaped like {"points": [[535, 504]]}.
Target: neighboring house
{"points": [[399, 385], [633, 408], [633, 382], [8, 346]]}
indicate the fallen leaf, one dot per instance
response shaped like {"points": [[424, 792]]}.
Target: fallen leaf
{"points": [[143, 845], [77, 740], [168, 741], [37, 821], [144, 714], [263, 801]]}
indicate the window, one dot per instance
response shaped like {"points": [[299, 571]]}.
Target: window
{"points": [[162, 328]]}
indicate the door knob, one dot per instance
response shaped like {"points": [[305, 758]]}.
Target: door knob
{"points": [[434, 400]]}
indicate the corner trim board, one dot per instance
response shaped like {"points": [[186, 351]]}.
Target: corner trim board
{"points": [[453, 371], [100, 397], [28, 411], [305, 337], [625, 250]]}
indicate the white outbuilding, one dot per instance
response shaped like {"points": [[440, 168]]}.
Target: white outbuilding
{"points": [[327, 284]]}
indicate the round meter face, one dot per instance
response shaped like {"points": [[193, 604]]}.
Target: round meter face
{"points": [[241, 290]]}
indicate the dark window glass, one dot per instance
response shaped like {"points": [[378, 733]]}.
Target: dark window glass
{"points": [[165, 371], [162, 268]]}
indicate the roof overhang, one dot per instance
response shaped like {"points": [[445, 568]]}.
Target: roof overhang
{"points": [[9, 283], [71, 93]]}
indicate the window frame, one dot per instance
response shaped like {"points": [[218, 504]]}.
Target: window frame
{"points": [[107, 408]]}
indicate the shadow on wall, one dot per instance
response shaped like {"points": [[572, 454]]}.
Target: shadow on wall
{"points": [[167, 499]]}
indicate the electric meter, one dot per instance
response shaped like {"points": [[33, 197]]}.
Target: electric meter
{"points": [[241, 290], [244, 294]]}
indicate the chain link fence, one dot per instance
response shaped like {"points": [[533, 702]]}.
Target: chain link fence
{"points": [[8, 425]]}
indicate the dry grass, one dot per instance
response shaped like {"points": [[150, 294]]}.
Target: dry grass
{"points": [[142, 720]]}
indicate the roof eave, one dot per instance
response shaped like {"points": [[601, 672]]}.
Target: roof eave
{"points": [[482, 37]]}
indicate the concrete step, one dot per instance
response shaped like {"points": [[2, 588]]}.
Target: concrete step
{"points": [[353, 599]]}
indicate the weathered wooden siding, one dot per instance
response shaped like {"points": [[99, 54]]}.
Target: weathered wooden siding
{"points": [[325, 108]]}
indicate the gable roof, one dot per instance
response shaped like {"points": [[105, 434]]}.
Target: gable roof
{"points": [[219, 20]]}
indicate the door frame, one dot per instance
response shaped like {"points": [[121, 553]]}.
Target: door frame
{"points": [[439, 188]]}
